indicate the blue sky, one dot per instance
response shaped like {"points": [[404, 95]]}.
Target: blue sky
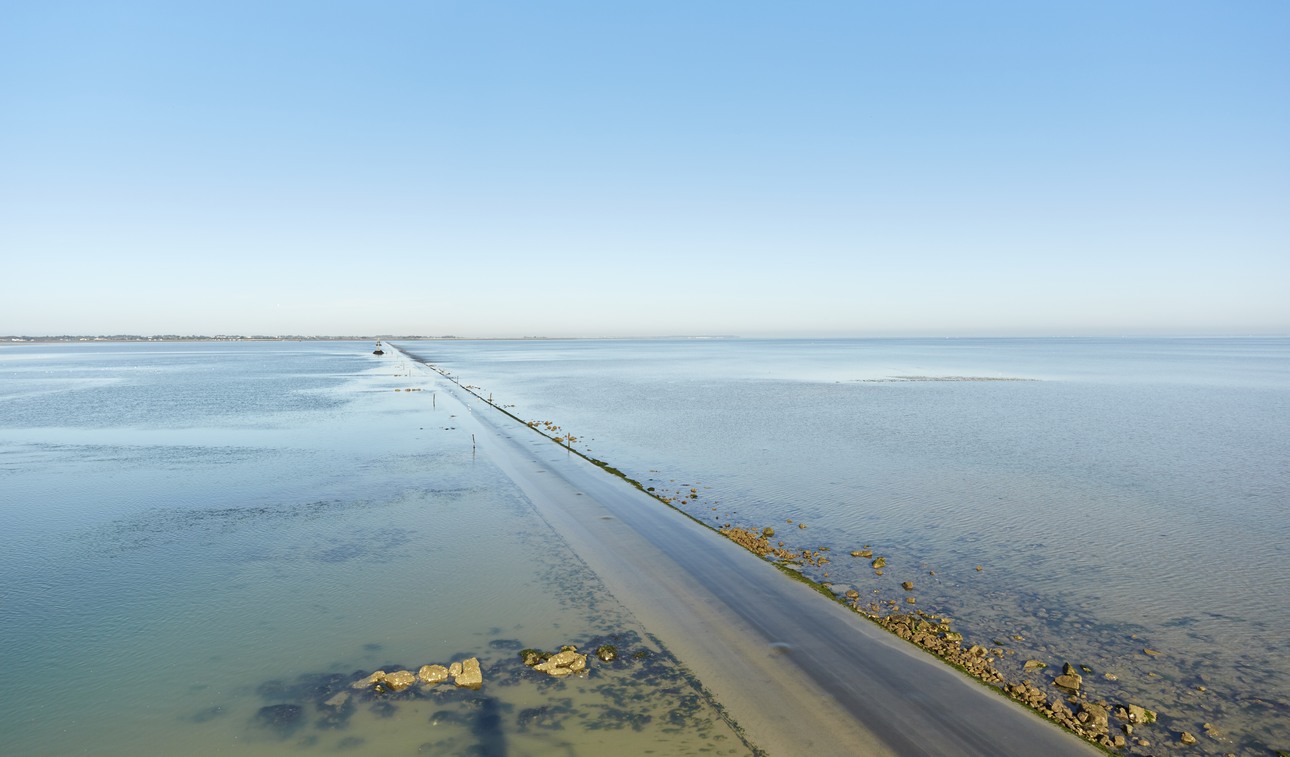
{"points": [[645, 168]]}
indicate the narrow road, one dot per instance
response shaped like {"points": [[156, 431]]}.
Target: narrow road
{"points": [[801, 675]]}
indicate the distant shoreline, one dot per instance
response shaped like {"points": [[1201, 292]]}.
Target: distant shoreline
{"points": [[138, 338], [78, 339], [133, 338]]}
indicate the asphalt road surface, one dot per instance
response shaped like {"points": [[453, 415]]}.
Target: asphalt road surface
{"points": [[798, 673]]}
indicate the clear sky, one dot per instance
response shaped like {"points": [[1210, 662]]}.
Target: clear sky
{"points": [[645, 168]]}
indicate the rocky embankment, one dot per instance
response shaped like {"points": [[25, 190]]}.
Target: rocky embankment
{"points": [[1060, 697]]}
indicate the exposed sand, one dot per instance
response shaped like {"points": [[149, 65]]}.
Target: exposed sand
{"points": [[800, 674]]}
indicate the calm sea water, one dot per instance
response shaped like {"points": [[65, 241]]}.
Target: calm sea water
{"points": [[190, 533], [1118, 495]]}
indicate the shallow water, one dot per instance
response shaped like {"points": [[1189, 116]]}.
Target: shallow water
{"points": [[190, 533], [1118, 495]]}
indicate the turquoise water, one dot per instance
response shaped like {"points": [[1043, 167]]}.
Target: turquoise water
{"points": [[190, 533], [1118, 495]]}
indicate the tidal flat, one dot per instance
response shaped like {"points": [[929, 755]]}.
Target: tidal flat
{"points": [[1082, 518], [202, 573], [222, 539], [796, 671]]}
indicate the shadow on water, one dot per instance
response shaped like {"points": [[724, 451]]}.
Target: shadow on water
{"points": [[487, 727]]}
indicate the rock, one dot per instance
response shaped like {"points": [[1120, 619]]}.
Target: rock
{"points": [[1098, 718], [454, 669], [532, 657], [1150, 652], [979, 568], [852, 594], [570, 658], [1060, 709], [607, 653], [801, 525], [1186, 738], [768, 532], [563, 663], [370, 681], [880, 562], [1034, 665], [400, 680], [910, 600], [1138, 714], [1071, 681], [432, 674], [907, 586], [1118, 741], [470, 675]]}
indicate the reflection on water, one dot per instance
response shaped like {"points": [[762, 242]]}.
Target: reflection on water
{"points": [[203, 545]]}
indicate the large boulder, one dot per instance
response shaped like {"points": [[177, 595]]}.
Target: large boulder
{"points": [[400, 680], [470, 676], [1139, 714], [1095, 717], [369, 681], [562, 664], [432, 674]]}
